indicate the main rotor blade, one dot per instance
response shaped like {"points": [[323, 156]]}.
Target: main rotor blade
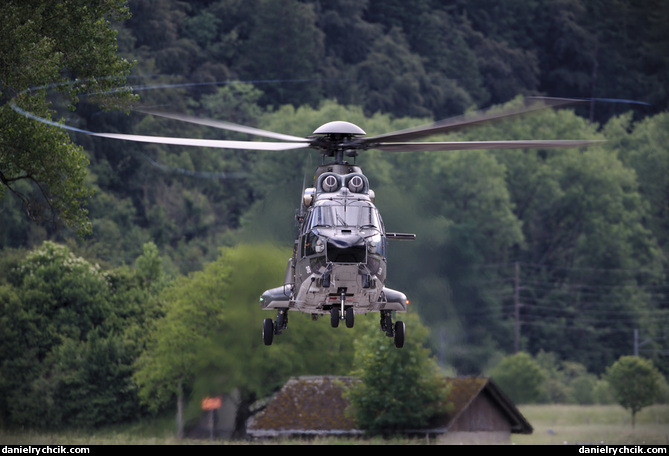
{"points": [[467, 120], [475, 145], [220, 144], [223, 125]]}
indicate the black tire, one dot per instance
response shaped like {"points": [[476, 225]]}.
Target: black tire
{"points": [[399, 334], [350, 317], [334, 317], [268, 331]]}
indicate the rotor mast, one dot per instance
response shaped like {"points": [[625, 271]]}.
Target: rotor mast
{"points": [[338, 140]]}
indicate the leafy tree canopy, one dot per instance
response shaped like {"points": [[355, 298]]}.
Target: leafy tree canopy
{"points": [[635, 382], [399, 388], [70, 46], [520, 377], [69, 333]]}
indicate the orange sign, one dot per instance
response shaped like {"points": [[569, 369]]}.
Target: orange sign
{"points": [[211, 403]]}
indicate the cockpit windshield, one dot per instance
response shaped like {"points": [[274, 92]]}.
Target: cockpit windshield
{"points": [[358, 214]]}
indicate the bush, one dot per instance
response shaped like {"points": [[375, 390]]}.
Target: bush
{"points": [[520, 377]]}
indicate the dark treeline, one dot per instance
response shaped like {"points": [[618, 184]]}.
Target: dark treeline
{"points": [[559, 252], [420, 58]]}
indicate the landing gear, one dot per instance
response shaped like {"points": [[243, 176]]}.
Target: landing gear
{"points": [[269, 329], [396, 331], [281, 321], [336, 317], [399, 334], [387, 323], [342, 312], [350, 317]]}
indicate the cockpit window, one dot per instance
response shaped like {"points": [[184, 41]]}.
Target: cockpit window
{"points": [[348, 214]]}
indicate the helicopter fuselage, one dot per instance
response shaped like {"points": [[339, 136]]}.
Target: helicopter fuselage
{"points": [[339, 258]]}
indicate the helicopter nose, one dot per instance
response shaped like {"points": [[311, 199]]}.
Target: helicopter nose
{"points": [[346, 238], [347, 248]]}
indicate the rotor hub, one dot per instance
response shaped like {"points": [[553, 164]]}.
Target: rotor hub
{"points": [[339, 127], [338, 140]]}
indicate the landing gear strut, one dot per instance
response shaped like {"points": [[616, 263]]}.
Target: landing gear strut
{"points": [[342, 312], [396, 331]]}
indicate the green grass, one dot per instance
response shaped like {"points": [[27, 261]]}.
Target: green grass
{"points": [[595, 424], [553, 425]]}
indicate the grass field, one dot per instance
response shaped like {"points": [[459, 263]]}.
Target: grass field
{"points": [[553, 425], [609, 424]]}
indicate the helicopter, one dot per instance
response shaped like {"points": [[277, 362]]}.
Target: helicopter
{"points": [[339, 263]]}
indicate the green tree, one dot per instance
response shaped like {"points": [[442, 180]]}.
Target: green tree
{"points": [[520, 377], [393, 80], [209, 341], [399, 389], [192, 311], [66, 328], [286, 45], [586, 246], [70, 46], [635, 382], [643, 146]]}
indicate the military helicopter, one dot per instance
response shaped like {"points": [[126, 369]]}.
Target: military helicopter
{"points": [[339, 264], [339, 258]]}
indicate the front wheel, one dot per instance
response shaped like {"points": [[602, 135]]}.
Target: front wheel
{"points": [[350, 317], [399, 334], [268, 331], [334, 317]]}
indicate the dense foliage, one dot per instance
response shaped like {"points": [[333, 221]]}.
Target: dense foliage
{"points": [[69, 335], [399, 389], [420, 58], [560, 253], [520, 377], [38, 49]]}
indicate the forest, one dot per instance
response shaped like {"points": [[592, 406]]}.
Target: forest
{"points": [[559, 253]]}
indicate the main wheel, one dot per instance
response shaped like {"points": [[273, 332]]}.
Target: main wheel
{"points": [[399, 334], [334, 317], [350, 317], [268, 331]]}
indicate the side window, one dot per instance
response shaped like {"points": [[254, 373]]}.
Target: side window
{"points": [[306, 224], [309, 244], [380, 220]]}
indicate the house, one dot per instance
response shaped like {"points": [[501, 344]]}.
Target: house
{"points": [[306, 406], [481, 412]]}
